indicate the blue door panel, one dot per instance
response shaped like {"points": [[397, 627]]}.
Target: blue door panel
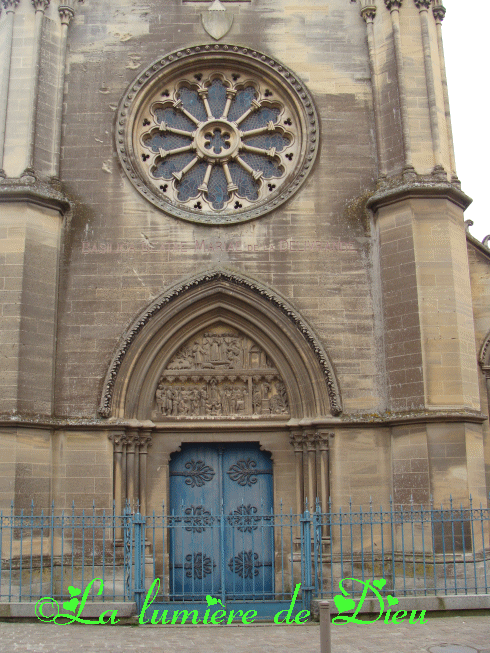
{"points": [[194, 542], [247, 491], [221, 530]]}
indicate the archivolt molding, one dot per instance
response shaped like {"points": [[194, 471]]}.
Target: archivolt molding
{"points": [[484, 358], [220, 276]]}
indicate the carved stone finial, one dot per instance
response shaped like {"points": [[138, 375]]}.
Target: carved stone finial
{"points": [[468, 224], [485, 241], [393, 5], [423, 5], [66, 14], [10, 5], [368, 13], [40, 5]]}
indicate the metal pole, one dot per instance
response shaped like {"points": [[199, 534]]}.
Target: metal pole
{"points": [[325, 640]]}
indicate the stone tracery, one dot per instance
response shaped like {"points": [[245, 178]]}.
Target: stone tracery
{"points": [[217, 139], [217, 135]]}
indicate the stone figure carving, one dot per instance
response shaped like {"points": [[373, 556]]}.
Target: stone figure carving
{"points": [[220, 372]]}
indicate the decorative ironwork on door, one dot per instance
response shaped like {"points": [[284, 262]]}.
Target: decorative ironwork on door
{"points": [[222, 496]]}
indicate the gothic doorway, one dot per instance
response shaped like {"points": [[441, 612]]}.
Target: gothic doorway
{"points": [[221, 543]]}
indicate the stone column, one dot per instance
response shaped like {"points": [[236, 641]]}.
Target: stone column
{"points": [[439, 12], [369, 14], [130, 465], [322, 439], [394, 8], [119, 442], [423, 6], [311, 458], [144, 443], [40, 7], [132, 468], [296, 440], [312, 468], [10, 6], [66, 14]]}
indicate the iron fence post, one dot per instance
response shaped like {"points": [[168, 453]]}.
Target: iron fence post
{"points": [[128, 553], [139, 560], [317, 550], [306, 579]]}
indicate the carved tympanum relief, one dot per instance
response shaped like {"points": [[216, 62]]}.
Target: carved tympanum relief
{"points": [[220, 372]]}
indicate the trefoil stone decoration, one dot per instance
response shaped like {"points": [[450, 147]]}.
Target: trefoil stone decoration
{"points": [[216, 20]]}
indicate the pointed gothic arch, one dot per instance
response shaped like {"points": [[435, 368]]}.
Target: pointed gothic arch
{"points": [[484, 357], [241, 305]]}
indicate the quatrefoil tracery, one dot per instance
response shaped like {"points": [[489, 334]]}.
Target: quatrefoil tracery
{"points": [[218, 140]]}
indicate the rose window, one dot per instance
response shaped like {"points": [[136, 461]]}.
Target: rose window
{"points": [[217, 139]]}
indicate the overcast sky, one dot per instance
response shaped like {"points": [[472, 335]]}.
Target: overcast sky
{"points": [[466, 48]]}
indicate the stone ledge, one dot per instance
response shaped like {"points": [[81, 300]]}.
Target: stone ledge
{"points": [[409, 603], [33, 191], [426, 189], [346, 421], [90, 611]]}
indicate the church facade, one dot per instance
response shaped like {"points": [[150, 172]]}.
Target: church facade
{"points": [[233, 249]]}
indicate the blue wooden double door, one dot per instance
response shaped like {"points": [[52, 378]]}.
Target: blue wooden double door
{"points": [[221, 523]]}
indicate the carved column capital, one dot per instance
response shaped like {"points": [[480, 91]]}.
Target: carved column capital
{"points": [[423, 5], [297, 440], [10, 5], [133, 441], [393, 5], [144, 441], [439, 12], [311, 442], [66, 14], [368, 13], [118, 440], [322, 439], [40, 5]]}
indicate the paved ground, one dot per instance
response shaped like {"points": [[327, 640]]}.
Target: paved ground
{"points": [[439, 635]]}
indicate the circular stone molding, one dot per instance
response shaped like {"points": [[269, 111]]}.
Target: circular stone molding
{"points": [[217, 134]]}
